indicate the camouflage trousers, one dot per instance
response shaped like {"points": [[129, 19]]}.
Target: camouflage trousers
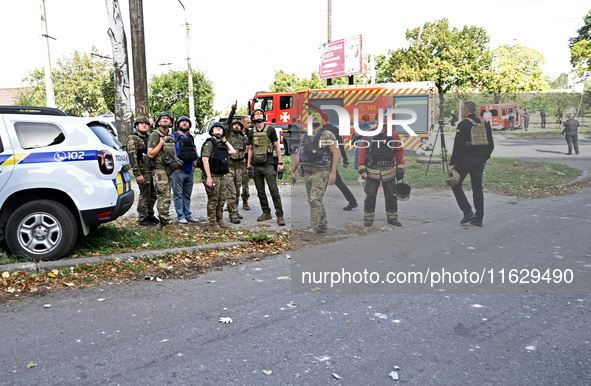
{"points": [[147, 199], [316, 182], [163, 185], [216, 197], [233, 184], [245, 179]]}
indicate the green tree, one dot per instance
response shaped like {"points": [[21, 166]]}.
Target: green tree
{"points": [[170, 92], [561, 81], [291, 82], [514, 69], [580, 49], [77, 84], [452, 58]]}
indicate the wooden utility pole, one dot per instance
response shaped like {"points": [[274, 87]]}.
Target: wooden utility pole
{"points": [[138, 52], [329, 80], [49, 94]]}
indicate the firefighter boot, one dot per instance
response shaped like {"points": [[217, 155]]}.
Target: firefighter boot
{"points": [[367, 221], [394, 221]]}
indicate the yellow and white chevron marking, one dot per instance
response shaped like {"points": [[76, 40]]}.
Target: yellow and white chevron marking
{"points": [[14, 159]]}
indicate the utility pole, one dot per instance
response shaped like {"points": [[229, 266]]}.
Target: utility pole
{"points": [[138, 51], [189, 71], [48, 80], [329, 80]]}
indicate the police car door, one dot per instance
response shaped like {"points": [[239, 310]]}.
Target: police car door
{"points": [[7, 158]]}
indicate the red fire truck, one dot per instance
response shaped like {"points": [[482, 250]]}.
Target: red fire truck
{"points": [[413, 106]]}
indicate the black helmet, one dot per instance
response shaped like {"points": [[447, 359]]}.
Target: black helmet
{"points": [[164, 114], [237, 121], [141, 119], [217, 124], [182, 118], [403, 191], [258, 111]]}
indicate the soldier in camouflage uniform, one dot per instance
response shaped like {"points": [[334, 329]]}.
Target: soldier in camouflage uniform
{"points": [[246, 122], [318, 173], [159, 143], [137, 147], [214, 155], [234, 135]]}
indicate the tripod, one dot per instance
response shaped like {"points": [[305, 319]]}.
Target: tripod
{"points": [[443, 150]]}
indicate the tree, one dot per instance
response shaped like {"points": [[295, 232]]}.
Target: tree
{"points": [[451, 58], [77, 84], [170, 92], [116, 31], [291, 82], [514, 69], [580, 49], [560, 82]]}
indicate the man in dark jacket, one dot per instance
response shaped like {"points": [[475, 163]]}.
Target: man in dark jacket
{"points": [[468, 158]]}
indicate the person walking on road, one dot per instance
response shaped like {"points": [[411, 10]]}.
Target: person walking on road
{"points": [[473, 146], [571, 132], [351, 201]]}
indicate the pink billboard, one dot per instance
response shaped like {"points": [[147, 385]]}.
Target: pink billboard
{"points": [[342, 58]]}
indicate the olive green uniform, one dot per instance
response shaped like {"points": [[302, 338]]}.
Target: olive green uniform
{"points": [[162, 181], [216, 195], [234, 177], [136, 148]]}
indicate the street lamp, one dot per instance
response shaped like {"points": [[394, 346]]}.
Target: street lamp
{"points": [[189, 72]]}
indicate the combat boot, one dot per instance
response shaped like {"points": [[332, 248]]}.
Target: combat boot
{"points": [[280, 220], [223, 225], [264, 216], [245, 205], [215, 227], [235, 220]]}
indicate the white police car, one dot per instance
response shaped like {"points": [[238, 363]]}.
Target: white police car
{"points": [[59, 176]]}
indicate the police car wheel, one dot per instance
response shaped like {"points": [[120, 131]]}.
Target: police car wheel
{"points": [[41, 230]]}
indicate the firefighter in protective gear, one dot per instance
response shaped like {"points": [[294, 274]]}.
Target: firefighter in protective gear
{"points": [[262, 142], [137, 148], [160, 146], [381, 159], [234, 135]]}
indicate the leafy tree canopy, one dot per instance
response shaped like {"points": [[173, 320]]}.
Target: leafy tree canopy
{"points": [[452, 58], [170, 92], [291, 82], [514, 69], [77, 84], [580, 49]]}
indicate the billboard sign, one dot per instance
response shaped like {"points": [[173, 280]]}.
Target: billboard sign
{"points": [[342, 58]]}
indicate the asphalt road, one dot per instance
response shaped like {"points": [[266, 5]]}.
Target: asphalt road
{"points": [[309, 333]]}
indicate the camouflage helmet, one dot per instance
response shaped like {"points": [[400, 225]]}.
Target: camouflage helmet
{"points": [[164, 114], [237, 121], [141, 119], [454, 179]]}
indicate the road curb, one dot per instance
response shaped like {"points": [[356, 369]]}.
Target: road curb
{"points": [[583, 177], [44, 266]]}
